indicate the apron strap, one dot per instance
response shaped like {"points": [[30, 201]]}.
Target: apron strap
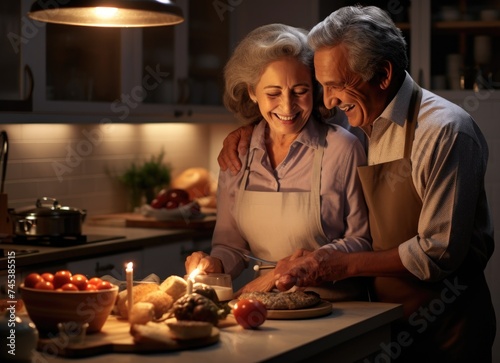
{"points": [[318, 159]]}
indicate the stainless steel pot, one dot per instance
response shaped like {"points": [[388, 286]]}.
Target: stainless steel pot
{"points": [[48, 218]]}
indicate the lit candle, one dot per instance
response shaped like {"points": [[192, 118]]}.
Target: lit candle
{"points": [[130, 283], [190, 280]]}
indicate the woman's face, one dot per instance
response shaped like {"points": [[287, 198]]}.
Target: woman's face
{"points": [[284, 95]]}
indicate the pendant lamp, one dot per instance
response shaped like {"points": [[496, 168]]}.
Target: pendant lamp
{"points": [[107, 13]]}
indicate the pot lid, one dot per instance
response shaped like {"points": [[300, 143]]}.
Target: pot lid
{"points": [[49, 207]]}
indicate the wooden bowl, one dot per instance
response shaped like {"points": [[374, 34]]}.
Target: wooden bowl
{"points": [[47, 308]]}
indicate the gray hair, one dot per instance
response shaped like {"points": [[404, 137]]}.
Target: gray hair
{"points": [[370, 36], [253, 54]]}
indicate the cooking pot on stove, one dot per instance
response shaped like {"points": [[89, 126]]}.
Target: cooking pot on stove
{"points": [[48, 218]]}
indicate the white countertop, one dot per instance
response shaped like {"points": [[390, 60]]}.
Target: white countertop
{"points": [[345, 330]]}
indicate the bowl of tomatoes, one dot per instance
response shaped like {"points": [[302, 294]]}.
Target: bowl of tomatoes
{"points": [[63, 297]]}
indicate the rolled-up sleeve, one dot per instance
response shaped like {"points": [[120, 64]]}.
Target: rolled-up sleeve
{"points": [[449, 175]]}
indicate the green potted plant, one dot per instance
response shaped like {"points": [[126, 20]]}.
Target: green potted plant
{"points": [[145, 180]]}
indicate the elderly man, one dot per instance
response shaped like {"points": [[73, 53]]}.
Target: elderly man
{"points": [[424, 187]]}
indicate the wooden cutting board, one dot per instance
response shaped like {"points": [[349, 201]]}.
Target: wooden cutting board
{"points": [[140, 221], [115, 338]]}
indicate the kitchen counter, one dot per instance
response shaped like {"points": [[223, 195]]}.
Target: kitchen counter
{"points": [[124, 239], [351, 332]]}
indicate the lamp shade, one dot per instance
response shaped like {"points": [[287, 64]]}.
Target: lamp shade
{"points": [[108, 13]]}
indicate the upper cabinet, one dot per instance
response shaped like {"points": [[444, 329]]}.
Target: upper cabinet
{"points": [[16, 80], [58, 73], [153, 74], [452, 45], [465, 44]]}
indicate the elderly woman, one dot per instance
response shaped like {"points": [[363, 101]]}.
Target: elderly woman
{"points": [[299, 188]]}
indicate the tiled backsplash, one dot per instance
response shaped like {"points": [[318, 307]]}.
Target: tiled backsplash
{"points": [[75, 163]]}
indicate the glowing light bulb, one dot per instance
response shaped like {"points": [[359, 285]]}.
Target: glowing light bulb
{"points": [[105, 12]]}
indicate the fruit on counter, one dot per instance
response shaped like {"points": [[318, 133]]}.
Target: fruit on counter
{"points": [[47, 276], [196, 181], [196, 307], [61, 277], [171, 199], [32, 279], [44, 285], [249, 313], [64, 280], [68, 287], [95, 281], [79, 280]]}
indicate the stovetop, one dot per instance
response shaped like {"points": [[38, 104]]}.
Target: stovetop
{"points": [[21, 245], [54, 241]]}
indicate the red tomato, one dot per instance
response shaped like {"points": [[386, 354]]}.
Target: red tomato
{"points": [[104, 285], [249, 313], [94, 281], [61, 277], [44, 285], [69, 287], [47, 276], [32, 279], [80, 281], [90, 287]]}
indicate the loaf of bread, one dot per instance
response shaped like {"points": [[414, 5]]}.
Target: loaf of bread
{"points": [[142, 313], [152, 335], [162, 302], [175, 286], [138, 293], [184, 329]]}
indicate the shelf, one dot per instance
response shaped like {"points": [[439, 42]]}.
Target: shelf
{"points": [[467, 25]]}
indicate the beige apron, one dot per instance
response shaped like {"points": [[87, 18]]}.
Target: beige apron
{"points": [[442, 318], [276, 224]]}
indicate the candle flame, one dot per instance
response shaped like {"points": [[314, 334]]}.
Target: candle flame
{"points": [[130, 266], [194, 273]]}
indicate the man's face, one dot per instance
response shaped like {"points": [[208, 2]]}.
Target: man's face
{"points": [[362, 101]]}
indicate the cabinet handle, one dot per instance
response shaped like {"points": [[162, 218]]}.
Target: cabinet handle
{"points": [[102, 270], [30, 82], [183, 91]]}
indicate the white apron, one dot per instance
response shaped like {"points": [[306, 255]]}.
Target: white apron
{"points": [[276, 224]]}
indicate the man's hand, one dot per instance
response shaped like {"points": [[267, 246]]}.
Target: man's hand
{"points": [[313, 269], [203, 262], [285, 264], [262, 283], [236, 142]]}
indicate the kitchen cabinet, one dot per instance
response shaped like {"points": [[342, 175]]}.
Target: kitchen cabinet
{"points": [[85, 74], [113, 265], [452, 45], [16, 80]]}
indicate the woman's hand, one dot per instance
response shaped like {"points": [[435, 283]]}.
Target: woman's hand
{"points": [[236, 141], [267, 282], [203, 262]]}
